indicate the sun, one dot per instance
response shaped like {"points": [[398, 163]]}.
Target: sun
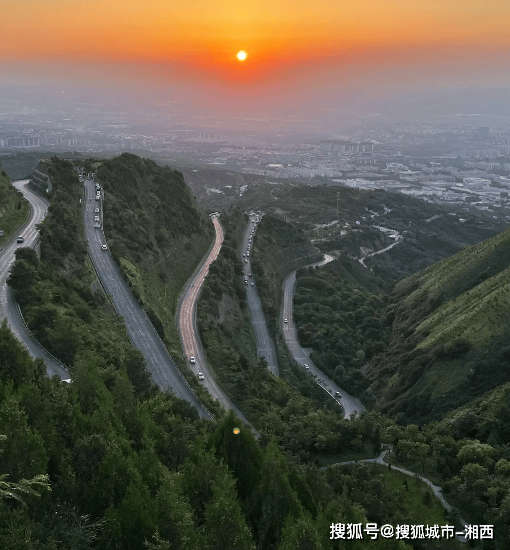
{"points": [[241, 55]]}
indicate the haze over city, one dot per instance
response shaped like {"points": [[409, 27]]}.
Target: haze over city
{"points": [[313, 66]]}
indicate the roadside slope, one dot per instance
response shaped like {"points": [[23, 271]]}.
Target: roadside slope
{"points": [[14, 211], [157, 234], [265, 344]]}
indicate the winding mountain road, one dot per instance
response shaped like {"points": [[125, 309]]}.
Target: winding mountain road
{"points": [[187, 324], [265, 345], [350, 404], [8, 308], [399, 239], [141, 332]]}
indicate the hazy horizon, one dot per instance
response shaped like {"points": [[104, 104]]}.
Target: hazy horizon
{"points": [[312, 67]]}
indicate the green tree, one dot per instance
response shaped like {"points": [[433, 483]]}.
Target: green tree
{"points": [[23, 455], [225, 526], [274, 499], [16, 364], [131, 522], [175, 515], [475, 451], [300, 534], [240, 452]]}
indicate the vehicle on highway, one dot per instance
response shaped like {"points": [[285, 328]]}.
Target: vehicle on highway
{"points": [[96, 210], [285, 320], [250, 274], [20, 239], [253, 284], [96, 218], [201, 376], [338, 394], [306, 367], [192, 360], [104, 247], [248, 254], [98, 197], [96, 225], [246, 260]]}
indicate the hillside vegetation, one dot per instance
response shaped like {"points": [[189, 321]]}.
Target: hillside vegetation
{"points": [[451, 325], [13, 208], [278, 248], [431, 232], [341, 320], [156, 233]]}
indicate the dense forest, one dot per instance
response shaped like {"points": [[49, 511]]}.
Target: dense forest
{"points": [[278, 248], [130, 472], [343, 322]]}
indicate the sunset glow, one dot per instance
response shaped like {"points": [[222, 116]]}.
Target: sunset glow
{"points": [[324, 47]]}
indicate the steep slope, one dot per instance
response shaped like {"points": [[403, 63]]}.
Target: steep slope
{"points": [[156, 233], [451, 325]]}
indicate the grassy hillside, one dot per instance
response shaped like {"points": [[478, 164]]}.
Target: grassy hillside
{"points": [[451, 325], [13, 208], [486, 418], [156, 232]]}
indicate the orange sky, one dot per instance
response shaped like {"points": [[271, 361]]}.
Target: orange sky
{"points": [[319, 42]]}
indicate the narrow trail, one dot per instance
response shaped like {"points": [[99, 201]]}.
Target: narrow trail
{"points": [[438, 491]]}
